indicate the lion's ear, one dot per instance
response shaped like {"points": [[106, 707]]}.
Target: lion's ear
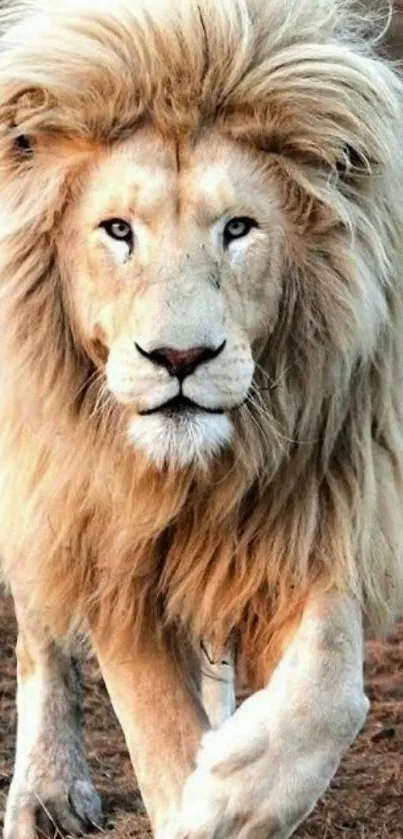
{"points": [[24, 145], [353, 163], [25, 114]]}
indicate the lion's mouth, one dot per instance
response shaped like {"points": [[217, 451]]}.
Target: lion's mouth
{"points": [[180, 404]]}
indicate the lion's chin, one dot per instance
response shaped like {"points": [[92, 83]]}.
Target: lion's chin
{"points": [[180, 440]]}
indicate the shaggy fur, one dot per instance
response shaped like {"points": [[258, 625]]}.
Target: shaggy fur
{"points": [[310, 495]]}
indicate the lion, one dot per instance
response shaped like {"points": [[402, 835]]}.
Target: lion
{"points": [[201, 424]]}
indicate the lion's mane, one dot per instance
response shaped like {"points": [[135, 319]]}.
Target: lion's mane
{"points": [[311, 495]]}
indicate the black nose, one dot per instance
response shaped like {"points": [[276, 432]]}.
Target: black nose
{"points": [[178, 362]]}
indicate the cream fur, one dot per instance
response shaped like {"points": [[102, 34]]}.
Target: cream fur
{"points": [[261, 773], [273, 525]]}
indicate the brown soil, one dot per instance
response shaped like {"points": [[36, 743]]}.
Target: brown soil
{"points": [[365, 800]]}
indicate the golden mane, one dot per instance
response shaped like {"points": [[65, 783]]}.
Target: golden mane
{"points": [[311, 494]]}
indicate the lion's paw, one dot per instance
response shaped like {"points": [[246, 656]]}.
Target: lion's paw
{"points": [[227, 794], [251, 781], [213, 808], [73, 809]]}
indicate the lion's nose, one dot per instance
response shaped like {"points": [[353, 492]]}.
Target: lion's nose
{"points": [[181, 363]]}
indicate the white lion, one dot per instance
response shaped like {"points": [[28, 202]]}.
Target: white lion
{"points": [[201, 435]]}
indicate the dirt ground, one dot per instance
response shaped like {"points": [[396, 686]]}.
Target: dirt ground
{"points": [[365, 800]]}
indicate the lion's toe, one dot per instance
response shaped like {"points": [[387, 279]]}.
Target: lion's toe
{"points": [[72, 810], [75, 811]]}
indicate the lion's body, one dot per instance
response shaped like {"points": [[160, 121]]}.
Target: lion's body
{"points": [[307, 497], [315, 499]]}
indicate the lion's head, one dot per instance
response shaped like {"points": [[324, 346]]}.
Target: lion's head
{"points": [[201, 249], [175, 256], [204, 195], [200, 191]]}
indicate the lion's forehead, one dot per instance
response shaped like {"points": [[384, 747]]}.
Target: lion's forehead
{"points": [[153, 177]]}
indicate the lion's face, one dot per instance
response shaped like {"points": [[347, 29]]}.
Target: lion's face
{"points": [[174, 256]]}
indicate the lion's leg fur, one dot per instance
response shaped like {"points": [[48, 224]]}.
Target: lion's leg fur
{"points": [[262, 771], [155, 691], [217, 686], [51, 784]]}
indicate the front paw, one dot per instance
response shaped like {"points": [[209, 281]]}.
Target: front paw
{"points": [[48, 808], [229, 801], [252, 781], [217, 808]]}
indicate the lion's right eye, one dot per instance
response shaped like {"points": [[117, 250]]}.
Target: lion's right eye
{"points": [[119, 229]]}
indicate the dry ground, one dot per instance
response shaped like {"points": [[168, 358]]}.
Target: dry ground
{"points": [[366, 797]]}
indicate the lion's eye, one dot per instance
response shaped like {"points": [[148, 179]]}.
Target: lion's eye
{"points": [[237, 228], [118, 229]]}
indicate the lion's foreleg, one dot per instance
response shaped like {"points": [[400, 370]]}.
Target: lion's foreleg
{"points": [[51, 784], [156, 699], [261, 773]]}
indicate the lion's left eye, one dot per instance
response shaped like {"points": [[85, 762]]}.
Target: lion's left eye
{"points": [[237, 228], [118, 228]]}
